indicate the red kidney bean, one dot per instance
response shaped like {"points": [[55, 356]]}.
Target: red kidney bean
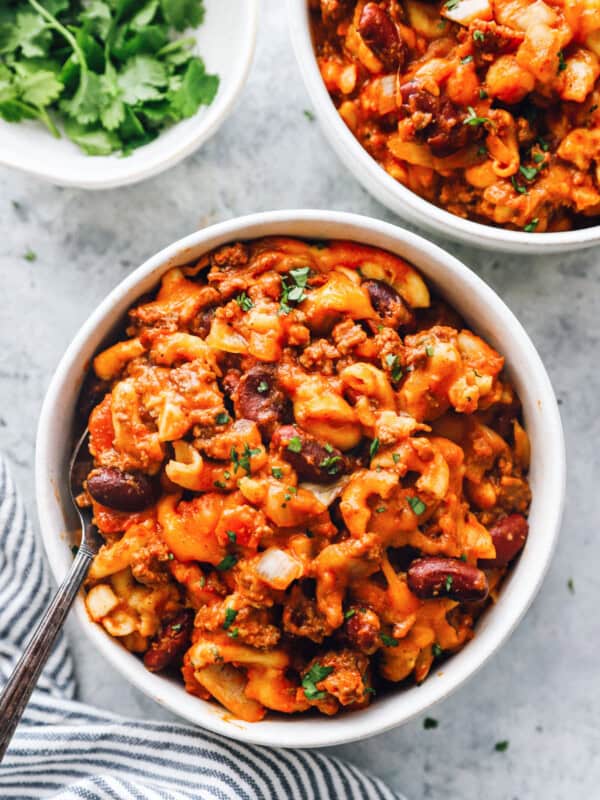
{"points": [[381, 36], [446, 577], [388, 304], [259, 398], [168, 647], [122, 491], [310, 458], [362, 629], [509, 536], [446, 132]]}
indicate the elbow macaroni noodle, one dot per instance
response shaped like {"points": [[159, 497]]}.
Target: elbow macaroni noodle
{"points": [[287, 441]]}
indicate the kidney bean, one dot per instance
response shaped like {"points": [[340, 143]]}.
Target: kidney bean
{"points": [[200, 325], [509, 536], [122, 491], [311, 460], [381, 36], [168, 647], [388, 304], [440, 121], [449, 577], [362, 629], [259, 398]]}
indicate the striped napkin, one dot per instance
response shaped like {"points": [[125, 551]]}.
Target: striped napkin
{"points": [[65, 749]]}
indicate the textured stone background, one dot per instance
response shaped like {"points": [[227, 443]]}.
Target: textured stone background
{"points": [[541, 691]]}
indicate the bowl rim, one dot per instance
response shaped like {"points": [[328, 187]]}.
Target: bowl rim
{"points": [[49, 169], [394, 194], [521, 587]]}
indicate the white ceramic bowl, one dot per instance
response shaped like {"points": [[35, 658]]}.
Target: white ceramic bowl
{"points": [[483, 310], [225, 41], [393, 194]]}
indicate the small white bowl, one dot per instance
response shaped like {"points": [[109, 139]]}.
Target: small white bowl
{"points": [[487, 315], [391, 192], [225, 41]]}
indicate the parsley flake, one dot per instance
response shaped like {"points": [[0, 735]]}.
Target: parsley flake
{"points": [[230, 615], [234, 633], [389, 641], [350, 613], [222, 418], [531, 226], [473, 119], [314, 675], [393, 363], [374, 447], [295, 444], [478, 36], [448, 583], [331, 464], [277, 472], [417, 505], [244, 302], [293, 286], [232, 536], [436, 650], [228, 562], [29, 254]]}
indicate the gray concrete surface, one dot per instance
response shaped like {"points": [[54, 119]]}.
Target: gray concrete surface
{"points": [[541, 691]]}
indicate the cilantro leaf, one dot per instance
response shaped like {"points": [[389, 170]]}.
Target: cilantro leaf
{"points": [[182, 14], [36, 86], [197, 88], [93, 140], [143, 78], [309, 682]]}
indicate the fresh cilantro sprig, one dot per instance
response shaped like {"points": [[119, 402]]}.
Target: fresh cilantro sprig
{"points": [[109, 70]]}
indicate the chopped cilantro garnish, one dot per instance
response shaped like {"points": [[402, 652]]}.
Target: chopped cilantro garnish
{"points": [[220, 485], [374, 447], [538, 158], [234, 633], [562, 64], [543, 144], [380, 509], [448, 583], [176, 627], [331, 464], [293, 287], [529, 173], [393, 364], [501, 747], [228, 562], [309, 115], [571, 585], [531, 226], [429, 350], [483, 95], [417, 505], [314, 675], [450, 5], [262, 387], [232, 536], [277, 472], [170, 556], [429, 723], [29, 254], [396, 457], [436, 650], [517, 186], [473, 119], [244, 302], [243, 461], [479, 36], [75, 550], [388, 641], [295, 444], [230, 615], [222, 418], [467, 59], [350, 613]]}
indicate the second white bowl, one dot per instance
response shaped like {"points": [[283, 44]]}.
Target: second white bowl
{"points": [[391, 192]]}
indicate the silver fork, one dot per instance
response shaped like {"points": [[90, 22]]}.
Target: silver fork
{"points": [[16, 693]]}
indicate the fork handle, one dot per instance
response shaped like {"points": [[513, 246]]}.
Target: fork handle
{"points": [[16, 693]]}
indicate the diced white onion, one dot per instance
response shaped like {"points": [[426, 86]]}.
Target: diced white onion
{"points": [[278, 568], [326, 494]]}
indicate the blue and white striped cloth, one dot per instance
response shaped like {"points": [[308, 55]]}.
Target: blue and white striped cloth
{"points": [[64, 749]]}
